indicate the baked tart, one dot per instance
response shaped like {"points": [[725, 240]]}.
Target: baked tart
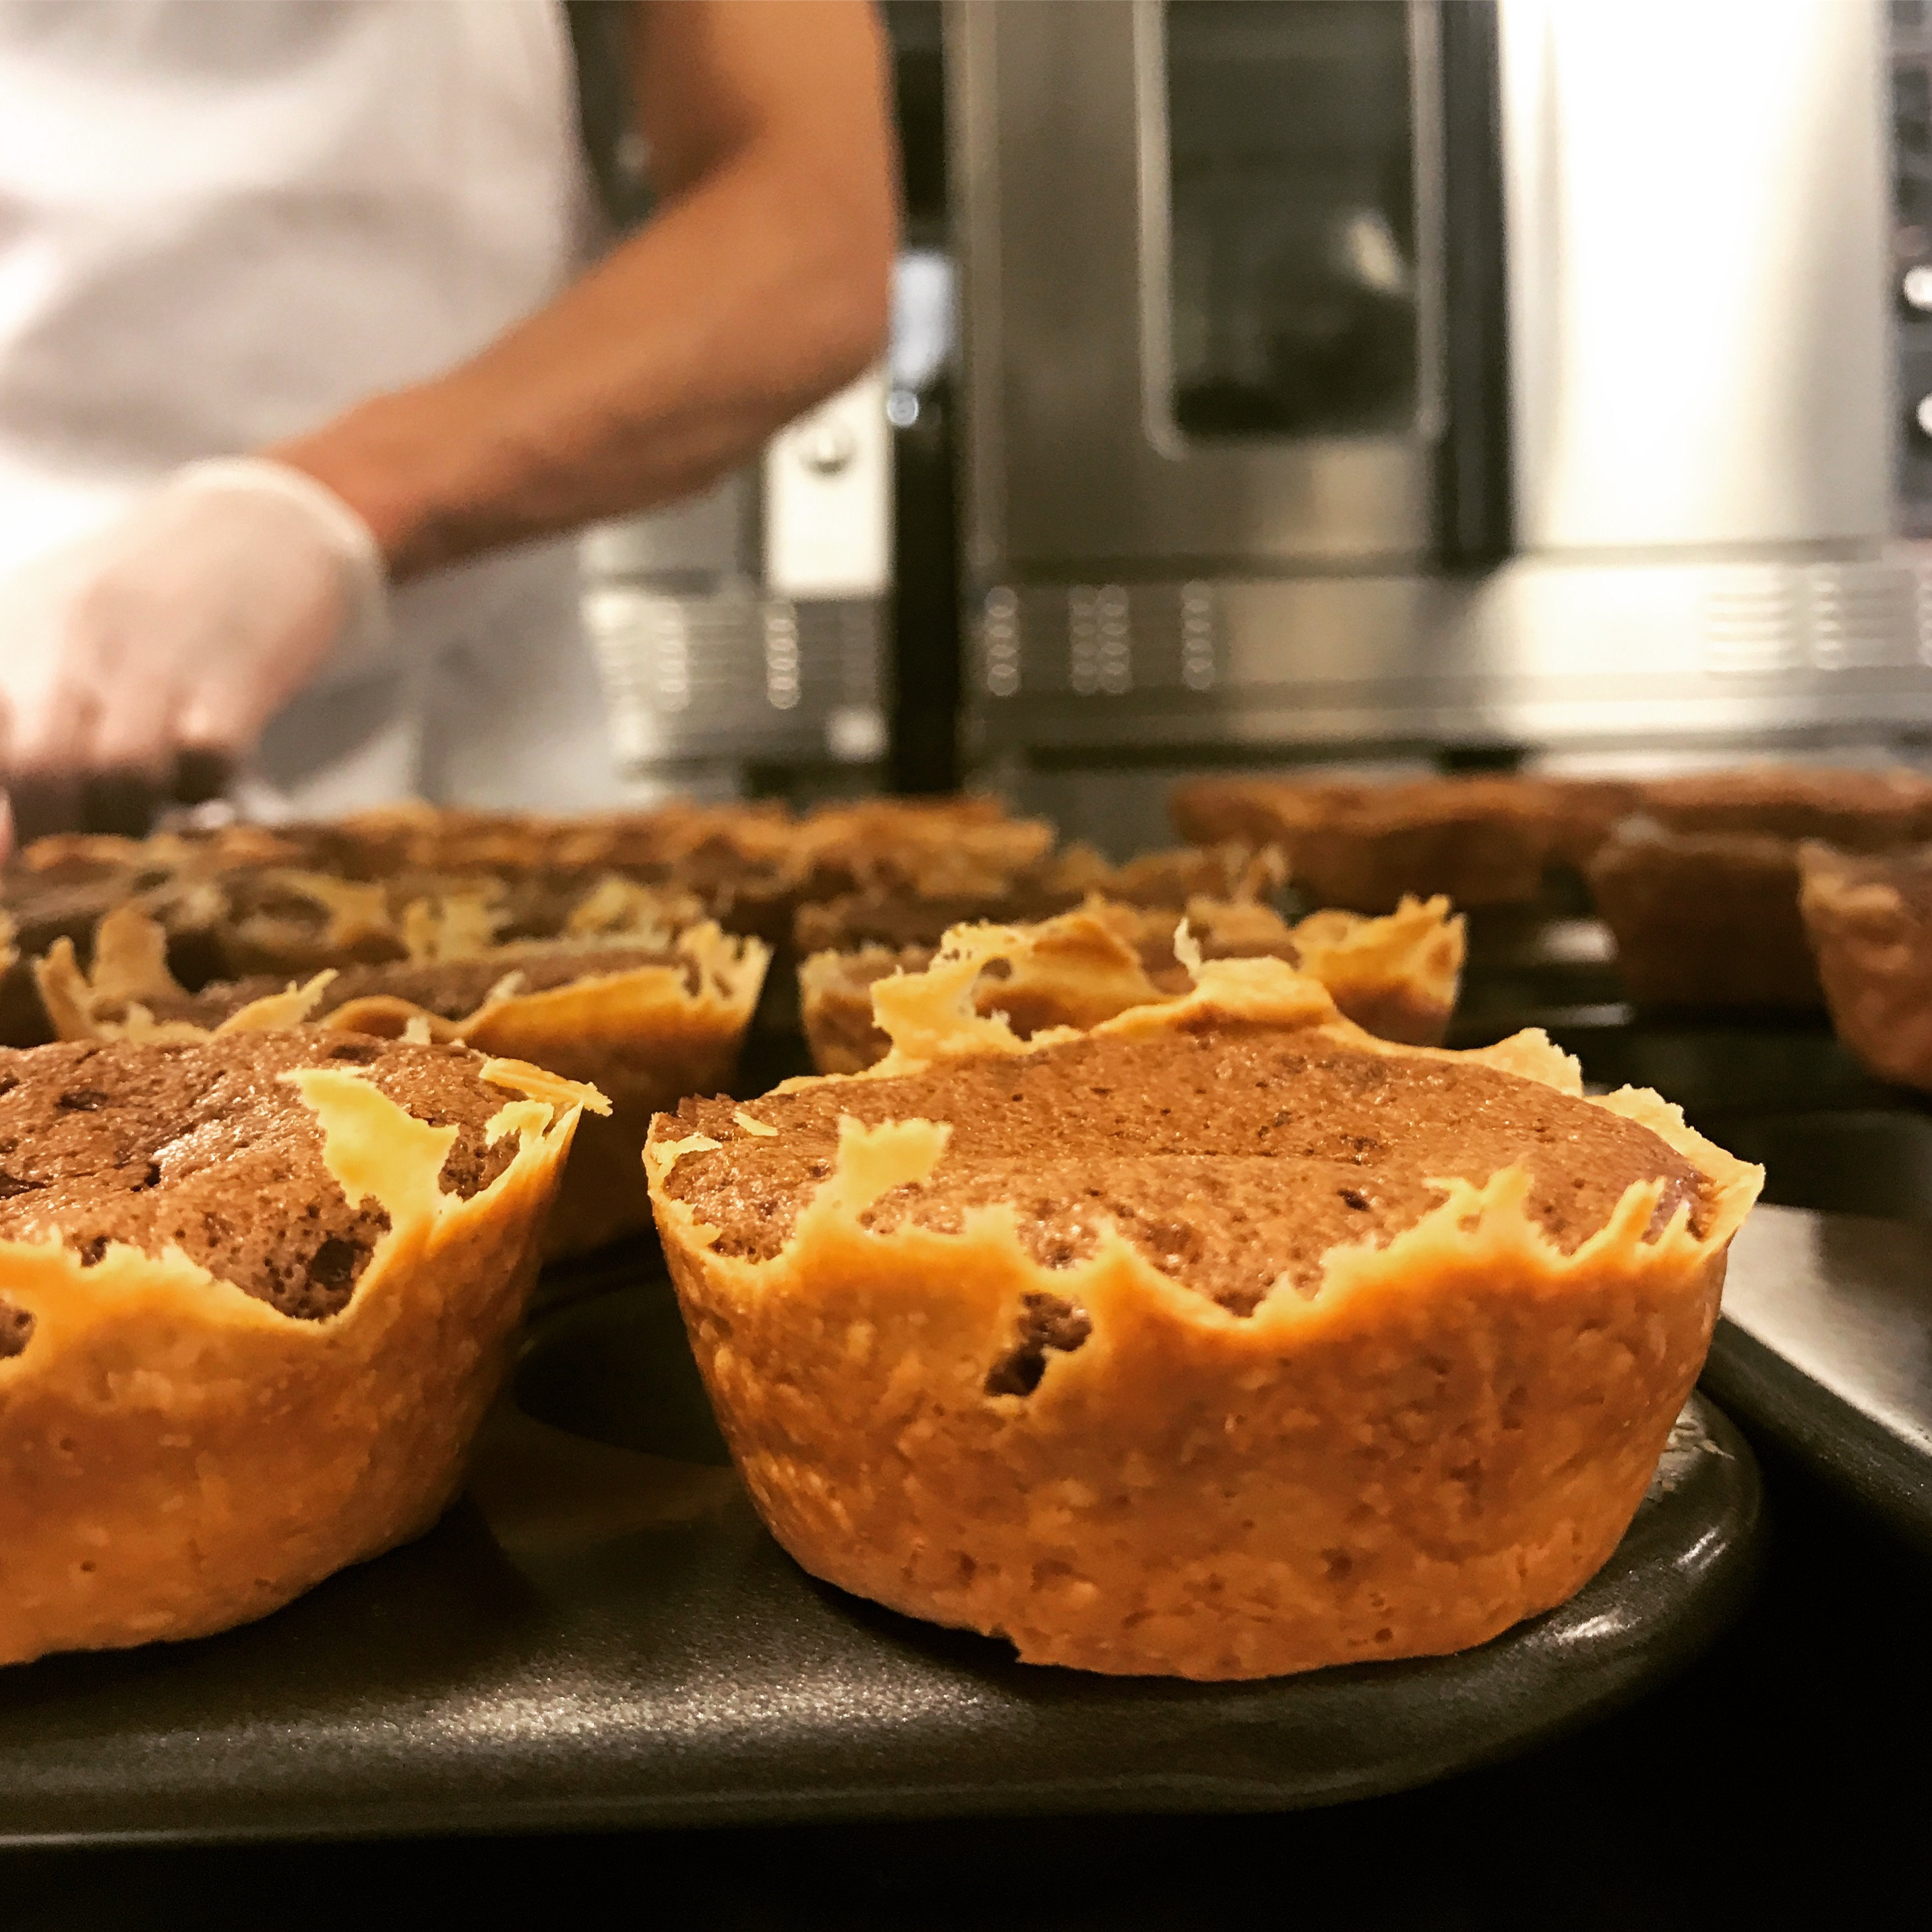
{"points": [[1364, 847], [1701, 890], [386, 840], [256, 1291], [61, 887], [754, 864], [1396, 976], [938, 848], [1705, 919], [922, 914], [645, 1014], [1862, 811], [1221, 1341], [1255, 811], [1869, 920]]}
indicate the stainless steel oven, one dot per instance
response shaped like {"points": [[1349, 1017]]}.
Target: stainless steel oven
{"points": [[1490, 374], [744, 630]]}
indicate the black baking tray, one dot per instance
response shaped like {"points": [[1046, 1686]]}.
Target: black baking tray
{"points": [[1717, 1068], [601, 1633], [1863, 1160], [1826, 1346]]}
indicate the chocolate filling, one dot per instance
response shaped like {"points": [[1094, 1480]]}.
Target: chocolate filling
{"points": [[204, 1147], [1046, 1322], [16, 1330], [1232, 1156]]}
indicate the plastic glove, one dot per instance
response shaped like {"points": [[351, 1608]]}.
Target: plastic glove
{"points": [[165, 642]]}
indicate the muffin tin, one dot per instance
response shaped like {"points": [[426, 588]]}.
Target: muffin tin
{"points": [[602, 1634]]}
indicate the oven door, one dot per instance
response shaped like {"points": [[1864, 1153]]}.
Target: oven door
{"points": [[1207, 285]]}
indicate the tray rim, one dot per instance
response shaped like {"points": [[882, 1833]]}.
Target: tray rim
{"points": [[1710, 1599], [1852, 1452]]}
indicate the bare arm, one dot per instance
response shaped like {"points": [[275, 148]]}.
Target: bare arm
{"points": [[760, 285]]}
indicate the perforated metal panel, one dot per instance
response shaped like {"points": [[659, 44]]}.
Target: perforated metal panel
{"points": [[1537, 651], [738, 676]]}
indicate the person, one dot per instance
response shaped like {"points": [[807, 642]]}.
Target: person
{"points": [[304, 378]]}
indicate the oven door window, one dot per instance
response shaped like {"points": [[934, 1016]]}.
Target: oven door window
{"points": [[1293, 283]]}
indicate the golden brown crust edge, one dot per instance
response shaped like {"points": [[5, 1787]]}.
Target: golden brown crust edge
{"points": [[1705, 919], [176, 1458], [1397, 975], [643, 1038], [1452, 1435], [1874, 961]]}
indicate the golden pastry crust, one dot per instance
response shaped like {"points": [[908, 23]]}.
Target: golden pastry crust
{"points": [[1860, 810], [177, 1457], [644, 1037], [1079, 969], [1451, 1434], [1701, 888], [1397, 975], [1870, 923], [1705, 919], [897, 915], [1479, 841]]}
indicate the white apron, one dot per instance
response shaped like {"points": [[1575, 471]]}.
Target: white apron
{"points": [[221, 224]]}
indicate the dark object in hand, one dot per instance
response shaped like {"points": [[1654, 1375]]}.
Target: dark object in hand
{"points": [[125, 802]]}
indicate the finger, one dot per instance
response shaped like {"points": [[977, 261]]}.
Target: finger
{"points": [[222, 724], [46, 724], [132, 729]]}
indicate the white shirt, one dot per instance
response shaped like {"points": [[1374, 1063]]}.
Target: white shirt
{"points": [[221, 224]]}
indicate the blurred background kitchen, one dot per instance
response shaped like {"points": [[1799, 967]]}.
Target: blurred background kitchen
{"points": [[1408, 382]]}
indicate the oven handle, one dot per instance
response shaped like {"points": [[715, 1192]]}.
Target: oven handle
{"points": [[1475, 506], [1155, 227]]}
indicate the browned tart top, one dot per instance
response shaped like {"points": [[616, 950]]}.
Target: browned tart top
{"points": [[1908, 874], [201, 1147], [451, 988], [1229, 1154]]}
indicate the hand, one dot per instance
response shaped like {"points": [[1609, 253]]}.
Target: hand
{"points": [[155, 650]]}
